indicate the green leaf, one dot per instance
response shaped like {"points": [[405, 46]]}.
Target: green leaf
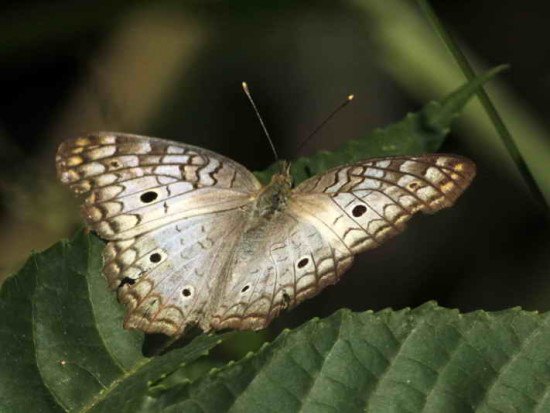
{"points": [[429, 359], [417, 133], [63, 346]]}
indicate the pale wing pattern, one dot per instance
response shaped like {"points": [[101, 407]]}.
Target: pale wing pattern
{"points": [[361, 205], [133, 184], [166, 277], [278, 264]]}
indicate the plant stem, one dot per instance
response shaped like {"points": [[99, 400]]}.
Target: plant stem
{"points": [[488, 105]]}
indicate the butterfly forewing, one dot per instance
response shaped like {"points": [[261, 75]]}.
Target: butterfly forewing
{"points": [[132, 184], [362, 204]]}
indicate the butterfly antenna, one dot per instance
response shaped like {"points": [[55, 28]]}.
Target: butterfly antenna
{"points": [[323, 123], [249, 96]]}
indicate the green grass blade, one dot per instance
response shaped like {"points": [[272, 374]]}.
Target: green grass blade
{"points": [[487, 103]]}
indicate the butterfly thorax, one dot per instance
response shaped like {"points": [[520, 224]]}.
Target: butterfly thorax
{"points": [[273, 198]]}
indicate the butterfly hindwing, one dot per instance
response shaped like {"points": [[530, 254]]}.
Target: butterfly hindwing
{"points": [[277, 266], [167, 277]]}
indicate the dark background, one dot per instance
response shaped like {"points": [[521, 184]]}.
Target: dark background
{"points": [[173, 70]]}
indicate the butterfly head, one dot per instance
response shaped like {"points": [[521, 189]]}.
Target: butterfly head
{"points": [[284, 169], [282, 180], [273, 197]]}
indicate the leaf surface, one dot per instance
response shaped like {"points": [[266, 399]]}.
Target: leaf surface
{"points": [[429, 359]]}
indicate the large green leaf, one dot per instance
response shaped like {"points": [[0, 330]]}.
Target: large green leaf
{"points": [[61, 340], [430, 359], [420, 132]]}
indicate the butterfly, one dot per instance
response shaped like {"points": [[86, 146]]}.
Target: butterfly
{"points": [[193, 238]]}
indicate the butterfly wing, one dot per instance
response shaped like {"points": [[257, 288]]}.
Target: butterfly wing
{"points": [[165, 207], [133, 184], [363, 204], [278, 264], [330, 218], [167, 277]]}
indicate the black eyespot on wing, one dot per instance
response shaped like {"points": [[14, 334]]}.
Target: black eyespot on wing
{"points": [[126, 281], [303, 262], [186, 292], [358, 210], [245, 288], [148, 196], [155, 257]]}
